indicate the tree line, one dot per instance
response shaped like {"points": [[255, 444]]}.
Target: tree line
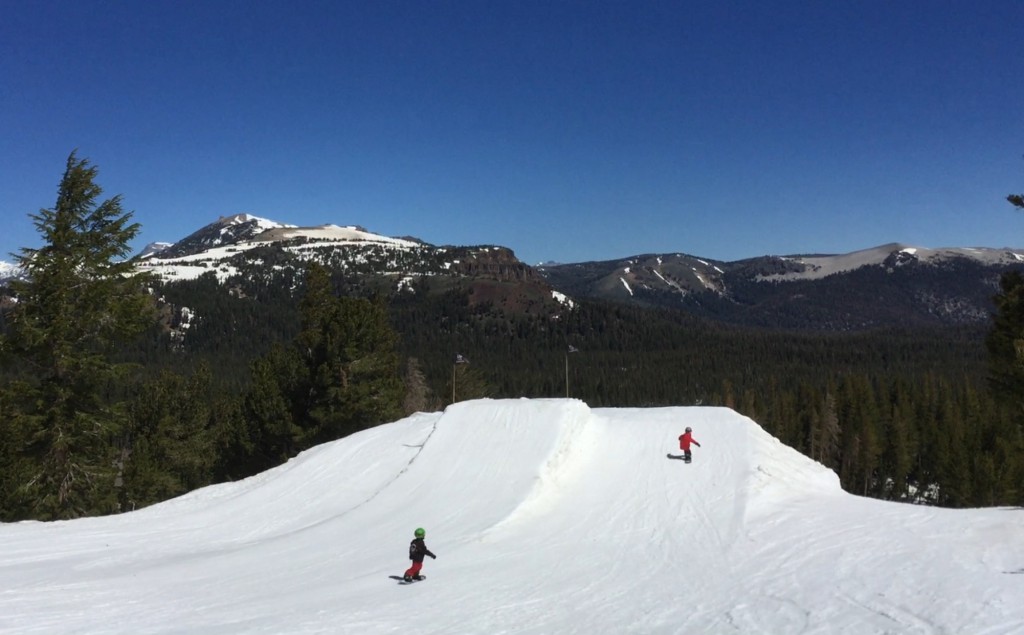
{"points": [[101, 411]]}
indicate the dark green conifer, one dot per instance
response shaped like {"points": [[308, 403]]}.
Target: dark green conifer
{"points": [[81, 300]]}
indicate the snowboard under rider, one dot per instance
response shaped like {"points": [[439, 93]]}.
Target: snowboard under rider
{"points": [[685, 439], [417, 549]]}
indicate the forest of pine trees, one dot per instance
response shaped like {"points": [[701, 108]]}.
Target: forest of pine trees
{"points": [[101, 411]]}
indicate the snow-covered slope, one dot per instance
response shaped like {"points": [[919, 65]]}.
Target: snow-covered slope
{"points": [[215, 247], [153, 249], [547, 517], [226, 230], [890, 285], [334, 234], [893, 255], [8, 271]]}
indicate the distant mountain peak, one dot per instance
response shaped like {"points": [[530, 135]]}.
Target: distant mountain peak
{"points": [[9, 271], [240, 242], [239, 219], [153, 249], [890, 254], [332, 233], [894, 283], [225, 230]]}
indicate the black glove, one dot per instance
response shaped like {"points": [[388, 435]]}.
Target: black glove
{"points": [[433, 557]]}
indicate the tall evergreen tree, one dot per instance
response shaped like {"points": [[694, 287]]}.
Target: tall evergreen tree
{"points": [[418, 397], [468, 382], [898, 444], [80, 300], [340, 375], [348, 347], [273, 407], [14, 469], [1005, 341], [169, 447], [827, 432]]}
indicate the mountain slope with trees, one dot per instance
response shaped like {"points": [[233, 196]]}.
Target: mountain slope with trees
{"points": [[892, 285], [119, 391]]}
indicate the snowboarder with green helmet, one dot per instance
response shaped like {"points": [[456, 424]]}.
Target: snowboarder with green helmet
{"points": [[417, 549]]}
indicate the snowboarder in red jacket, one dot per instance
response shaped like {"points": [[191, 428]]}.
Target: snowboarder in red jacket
{"points": [[685, 439], [417, 549]]}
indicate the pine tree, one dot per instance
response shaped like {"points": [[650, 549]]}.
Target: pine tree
{"points": [[340, 375], [15, 469], [418, 397], [348, 347], [168, 447], [81, 300], [955, 485], [1005, 341], [272, 407], [898, 446], [827, 432], [468, 382]]}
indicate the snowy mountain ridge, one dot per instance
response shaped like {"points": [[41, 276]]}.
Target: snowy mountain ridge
{"points": [[216, 247], [891, 255], [893, 284], [210, 247], [228, 235], [686, 274], [8, 271], [226, 230], [546, 516], [884, 286]]}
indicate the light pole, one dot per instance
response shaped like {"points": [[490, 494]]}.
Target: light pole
{"points": [[459, 359], [572, 349]]}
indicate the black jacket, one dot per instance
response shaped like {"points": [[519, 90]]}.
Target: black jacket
{"points": [[418, 549]]}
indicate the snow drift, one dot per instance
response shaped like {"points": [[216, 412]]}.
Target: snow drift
{"points": [[547, 517]]}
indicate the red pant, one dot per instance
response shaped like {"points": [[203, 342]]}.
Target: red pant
{"points": [[414, 570]]}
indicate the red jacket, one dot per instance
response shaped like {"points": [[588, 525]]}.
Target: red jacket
{"points": [[686, 439]]}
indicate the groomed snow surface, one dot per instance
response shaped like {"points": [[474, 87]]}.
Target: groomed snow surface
{"points": [[547, 517]]}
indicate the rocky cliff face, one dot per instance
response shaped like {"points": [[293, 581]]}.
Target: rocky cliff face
{"points": [[497, 263]]}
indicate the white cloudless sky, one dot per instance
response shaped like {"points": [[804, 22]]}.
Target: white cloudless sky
{"points": [[546, 517], [567, 131]]}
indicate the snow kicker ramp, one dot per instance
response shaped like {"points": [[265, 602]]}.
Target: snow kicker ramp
{"points": [[547, 517]]}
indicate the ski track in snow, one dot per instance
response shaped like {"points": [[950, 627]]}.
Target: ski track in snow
{"points": [[547, 517]]}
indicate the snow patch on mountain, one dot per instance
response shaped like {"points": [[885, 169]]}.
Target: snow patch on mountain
{"points": [[563, 299], [211, 248], [192, 266], [9, 270], [820, 266], [335, 234], [153, 249]]}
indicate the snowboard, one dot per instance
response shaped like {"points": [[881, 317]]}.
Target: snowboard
{"points": [[681, 457], [401, 579]]}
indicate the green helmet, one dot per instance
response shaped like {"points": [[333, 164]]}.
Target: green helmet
{"points": [[420, 532]]}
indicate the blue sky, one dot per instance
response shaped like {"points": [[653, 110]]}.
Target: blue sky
{"points": [[567, 131]]}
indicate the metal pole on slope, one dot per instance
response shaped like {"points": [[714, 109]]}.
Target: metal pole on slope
{"points": [[572, 349], [459, 359]]}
